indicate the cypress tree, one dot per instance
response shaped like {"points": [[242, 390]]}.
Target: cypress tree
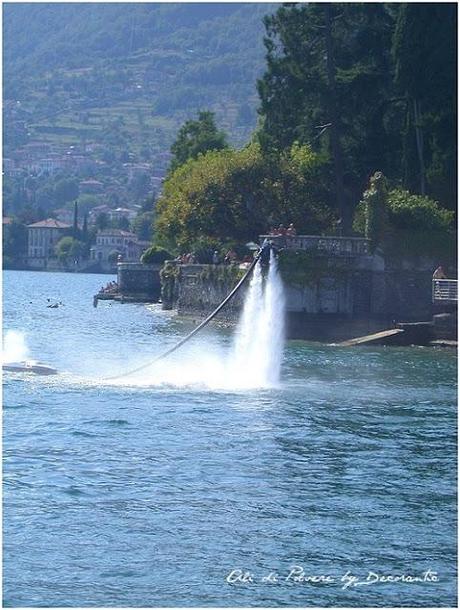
{"points": [[75, 220], [85, 226]]}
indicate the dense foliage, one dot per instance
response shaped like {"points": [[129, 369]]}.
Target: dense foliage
{"points": [[196, 137], [14, 243], [69, 249], [402, 222], [425, 60], [375, 201], [372, 84], [236, 195], [155, 255]]}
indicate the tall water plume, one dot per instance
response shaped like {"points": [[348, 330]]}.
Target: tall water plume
{"points": [[257, 351], [254, 358]]}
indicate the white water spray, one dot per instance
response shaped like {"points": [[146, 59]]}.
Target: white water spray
{"points": [[14, 347], [258, 347], [254, 359]]}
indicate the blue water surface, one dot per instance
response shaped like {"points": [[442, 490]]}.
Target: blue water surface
{"points": [[152, 495]]}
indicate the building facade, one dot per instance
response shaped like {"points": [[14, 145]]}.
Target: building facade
{"points": [[113, 245], [118, 213], [42, 238]]}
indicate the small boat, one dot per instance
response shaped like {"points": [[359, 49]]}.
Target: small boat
{"points": [[29, 366]]}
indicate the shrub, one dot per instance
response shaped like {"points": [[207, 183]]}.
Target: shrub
{"points": [[415, 225], [154, 254], [408, 211]]}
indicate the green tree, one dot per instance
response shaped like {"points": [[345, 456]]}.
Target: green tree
{"points": [[65, 189], [75, 230], [405, 223], [88, 201], [85, 228], [155, 255], [425, 56], [122, 223], [329, 88], [102, 221], [140, 186], [229, 195], [70, 249], [14, 195], [14, 243], [197, 137], [45, 197], [31, 185], [143, 225]]}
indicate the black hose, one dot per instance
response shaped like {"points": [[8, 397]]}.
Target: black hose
{"points": [[195, 330]]}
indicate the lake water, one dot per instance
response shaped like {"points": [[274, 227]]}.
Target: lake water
{"points": [[150, 490]]}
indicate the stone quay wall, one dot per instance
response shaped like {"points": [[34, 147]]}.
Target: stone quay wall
{"points": [[350, 292], [139, 282], [201, 288]]}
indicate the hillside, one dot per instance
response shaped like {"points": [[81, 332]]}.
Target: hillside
{"points": [[126, 76]]}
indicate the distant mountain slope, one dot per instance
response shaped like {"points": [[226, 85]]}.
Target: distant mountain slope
{"points": [[39, 37], [70, 63]]}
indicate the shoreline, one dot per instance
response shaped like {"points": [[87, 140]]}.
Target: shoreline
{"points": [[231, 324]]}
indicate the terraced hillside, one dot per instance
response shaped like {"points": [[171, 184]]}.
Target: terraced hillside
{"points": [[124, 77]]}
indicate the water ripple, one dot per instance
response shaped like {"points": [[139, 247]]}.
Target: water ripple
{"points": [[149, 495]]}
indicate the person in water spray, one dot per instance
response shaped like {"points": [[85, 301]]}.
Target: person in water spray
{"points": [[265, 250]]}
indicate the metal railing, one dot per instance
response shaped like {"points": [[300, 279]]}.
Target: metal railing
{"points": [[338, 246], [445, 290]]}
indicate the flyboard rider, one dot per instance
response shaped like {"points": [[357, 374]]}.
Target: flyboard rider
{"points": [[265, 250]]}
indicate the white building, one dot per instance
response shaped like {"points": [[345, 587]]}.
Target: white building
{"points": [[99, 209], [113, 242], [119, 213], [42, 239]]}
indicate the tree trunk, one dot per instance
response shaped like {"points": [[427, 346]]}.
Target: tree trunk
{"points": [[335, 128], [419, 140]]}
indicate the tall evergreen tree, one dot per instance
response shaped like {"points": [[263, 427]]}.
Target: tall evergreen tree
{"points": [[425, 56], [196, 137], [85, 226], [75, 230], [327, 82]]}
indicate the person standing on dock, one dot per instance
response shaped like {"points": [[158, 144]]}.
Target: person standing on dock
{"points": [[437, 276]]}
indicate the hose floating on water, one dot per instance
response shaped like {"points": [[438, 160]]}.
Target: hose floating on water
{"points": [[195, 330]]}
